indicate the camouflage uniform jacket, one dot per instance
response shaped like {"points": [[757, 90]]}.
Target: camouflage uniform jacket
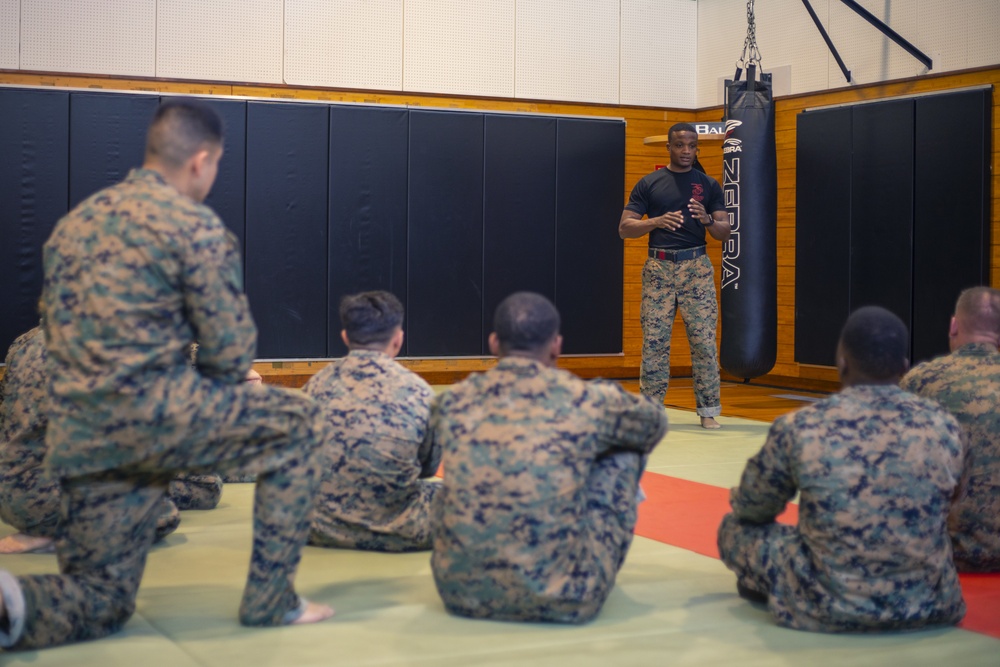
{"points": [[967, 384], [377, 448], [23, 396], [134, 275], [876, 468], [519, 442]]}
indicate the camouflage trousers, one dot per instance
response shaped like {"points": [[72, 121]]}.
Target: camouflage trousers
{"points": [[687, 286], [109, 523], [607, 532], [769, 559], [406, 529], [748, 550], [195, 492], [31, 503]]}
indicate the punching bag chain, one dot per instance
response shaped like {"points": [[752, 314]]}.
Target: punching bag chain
{"points": [[751, 54]]}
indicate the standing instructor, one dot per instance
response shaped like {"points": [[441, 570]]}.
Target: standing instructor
{"points": [[680, 205]]}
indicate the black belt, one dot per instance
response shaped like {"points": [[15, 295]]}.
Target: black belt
{"points": [[677, 255]]}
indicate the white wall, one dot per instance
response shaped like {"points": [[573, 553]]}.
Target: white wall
{"points": [[955, 34], [10, 25], [661, 53]]}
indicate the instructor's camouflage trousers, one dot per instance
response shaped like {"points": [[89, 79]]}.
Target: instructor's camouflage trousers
{"points": [[687, 286]]}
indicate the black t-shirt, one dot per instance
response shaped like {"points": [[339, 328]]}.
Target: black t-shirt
{"points": [[666, 190]]}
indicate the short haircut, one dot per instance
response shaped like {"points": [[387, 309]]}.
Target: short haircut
{"points": [[680, 127], [370, 318], [525, 321], [877, 342], [978, 309], [180, 128]]}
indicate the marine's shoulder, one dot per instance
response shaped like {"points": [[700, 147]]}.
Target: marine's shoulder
{"points": [[33, 339], [323, 378]]}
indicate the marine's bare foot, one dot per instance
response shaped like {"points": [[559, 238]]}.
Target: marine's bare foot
{"points": [[314, 613], [710, 423], [22, 543]]}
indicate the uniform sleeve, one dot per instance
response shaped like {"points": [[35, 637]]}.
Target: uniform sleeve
{"points": [[913, 381], [630, 421], [768, 482], [637, 201], [216, 305], [429, 452]]}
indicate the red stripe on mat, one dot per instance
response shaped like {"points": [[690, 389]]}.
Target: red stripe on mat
{"points": [[687, 515]]}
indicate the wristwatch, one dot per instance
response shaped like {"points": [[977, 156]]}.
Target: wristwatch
{"points": [[711, 221]]}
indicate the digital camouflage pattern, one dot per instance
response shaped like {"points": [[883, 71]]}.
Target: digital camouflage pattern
{"points": [[195, 492], [133, 276], [538, 504], [30, 498], [688, 286], [374, 494], [876, 469], [967, 383], [232, 477]]}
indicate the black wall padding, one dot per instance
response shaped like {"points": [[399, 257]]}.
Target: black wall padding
{"points": [[107, 139], [590, 168], [951, 232], [520, 209], [330, 199], [34, 145], [368, 158], [748, 305], [228, 195], [882, 207], [286, 233], [445, 249], [822, 233]]}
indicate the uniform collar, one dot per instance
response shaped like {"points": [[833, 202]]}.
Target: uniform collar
{"points": [[140, 174], [523, 365], [976, 350], [873, 389], [368, 354]]}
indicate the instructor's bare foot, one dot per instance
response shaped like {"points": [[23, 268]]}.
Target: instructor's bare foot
{"points": [[314, 613], [710, 423], [22, 543]]}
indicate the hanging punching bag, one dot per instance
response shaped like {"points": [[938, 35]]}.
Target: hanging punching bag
{"points": [[749, 310]]}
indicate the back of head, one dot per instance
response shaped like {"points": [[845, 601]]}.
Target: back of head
{"points": [[180, 128], [370, 318], [978, 311], [525, 322], [877, 342]]}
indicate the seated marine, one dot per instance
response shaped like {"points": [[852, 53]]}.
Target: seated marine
{"points": [[967, 384], [29, 497], [375, 494], [876, 469], [541, 477]]}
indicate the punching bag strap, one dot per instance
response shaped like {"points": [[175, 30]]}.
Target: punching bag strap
{"points": [[750, 58]]}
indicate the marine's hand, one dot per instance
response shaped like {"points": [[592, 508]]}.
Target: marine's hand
{"points": [[698, 212], [671, 221]]}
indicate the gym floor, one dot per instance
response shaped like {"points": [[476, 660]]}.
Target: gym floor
{"points": [[671, 605]]}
